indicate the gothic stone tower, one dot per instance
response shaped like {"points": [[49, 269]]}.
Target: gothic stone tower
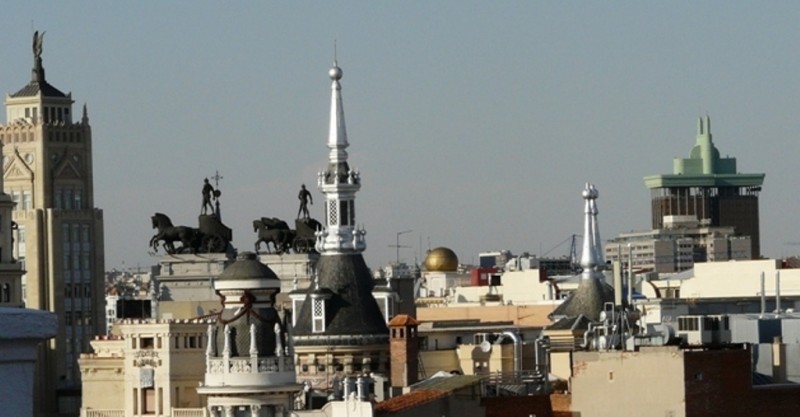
{"points": [[47, 170], [340, 329]]}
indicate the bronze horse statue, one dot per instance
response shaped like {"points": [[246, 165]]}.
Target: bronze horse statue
{"points": [[189, 237], [275, 231]]}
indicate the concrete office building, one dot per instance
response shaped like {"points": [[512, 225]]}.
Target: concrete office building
{"points": [[47, 170], [677, 246]]}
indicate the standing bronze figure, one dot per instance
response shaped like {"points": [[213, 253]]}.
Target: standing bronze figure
{"points": [[305, 199], [208, 192]]}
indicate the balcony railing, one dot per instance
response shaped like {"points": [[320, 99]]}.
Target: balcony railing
{"points": [[250, 365], [102, 413], [189, 412], [175, 412]]}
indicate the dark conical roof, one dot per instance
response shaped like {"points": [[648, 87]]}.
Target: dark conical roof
{"points": [[247, 267], [351, 310], [588, 300], [34, 87]]}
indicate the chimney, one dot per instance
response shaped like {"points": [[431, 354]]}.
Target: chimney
{"points": [[404, 351]]}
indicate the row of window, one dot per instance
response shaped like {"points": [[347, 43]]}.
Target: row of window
{"points": [[74, 232], [69, 199], [78, 262], [77, 318], [48, 113], [179, 342], [343, 215], [22, 199], [77, 290]]}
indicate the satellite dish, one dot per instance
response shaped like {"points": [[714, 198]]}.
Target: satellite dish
{"points": [[486, 347]]}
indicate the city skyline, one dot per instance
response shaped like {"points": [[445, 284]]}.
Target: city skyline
{"points": [[475, 126]]}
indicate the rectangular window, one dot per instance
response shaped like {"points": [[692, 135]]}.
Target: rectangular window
{"points": [[58, 202], [68, 199], [27, 201], [85, 264], [85, 234], [318, 319], [147, 343], [345, 212], [78, 199], [352, 212], [333, 216]]}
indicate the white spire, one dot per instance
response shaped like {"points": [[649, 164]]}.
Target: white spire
{"points": [[596, 241], [589, 256], [339, 183], [337, 134]]}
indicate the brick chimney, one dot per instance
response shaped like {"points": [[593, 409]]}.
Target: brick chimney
{"points": [[404, 350]]}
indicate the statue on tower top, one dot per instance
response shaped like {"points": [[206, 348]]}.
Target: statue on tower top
{"points": [[37, 44]]}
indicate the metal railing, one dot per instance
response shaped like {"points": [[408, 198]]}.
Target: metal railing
{"points": [[189, 412], [102, 413]]}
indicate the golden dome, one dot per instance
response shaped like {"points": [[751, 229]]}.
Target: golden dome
{"points": [[442, 260]]}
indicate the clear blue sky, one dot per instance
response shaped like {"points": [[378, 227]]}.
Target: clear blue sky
{"points": [[473, 123]]}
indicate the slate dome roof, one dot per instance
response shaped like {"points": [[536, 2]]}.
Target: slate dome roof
{"points": [[247, 267]]}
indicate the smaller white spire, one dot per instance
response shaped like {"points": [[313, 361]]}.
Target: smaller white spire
{"points": [[590, 259], [339, 183], [337, 133]]}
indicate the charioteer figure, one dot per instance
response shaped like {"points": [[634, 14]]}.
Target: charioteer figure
{"points": [[208, 193], [305, 198]]}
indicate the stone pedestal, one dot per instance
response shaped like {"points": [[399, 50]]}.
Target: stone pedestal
{"points": [[20, 335]]}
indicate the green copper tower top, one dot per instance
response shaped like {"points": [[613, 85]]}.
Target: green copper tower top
{"points": [[708, 188], [704, 167]]}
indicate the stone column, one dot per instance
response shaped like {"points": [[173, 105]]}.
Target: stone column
{"points": [[229, 411], [20, 335], [255, 409]]}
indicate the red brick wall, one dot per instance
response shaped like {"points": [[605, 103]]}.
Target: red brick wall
{"points": [[719, 383]]}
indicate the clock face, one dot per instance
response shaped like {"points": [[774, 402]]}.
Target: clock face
{"points": [[29, 158]]}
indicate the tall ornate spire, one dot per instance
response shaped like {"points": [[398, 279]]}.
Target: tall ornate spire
{"points": [[339, 183], [596, 241], [337, 134], [591, 260]]}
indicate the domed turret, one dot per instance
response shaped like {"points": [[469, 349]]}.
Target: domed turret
{"points": [[249, 346], [441, 259]]}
